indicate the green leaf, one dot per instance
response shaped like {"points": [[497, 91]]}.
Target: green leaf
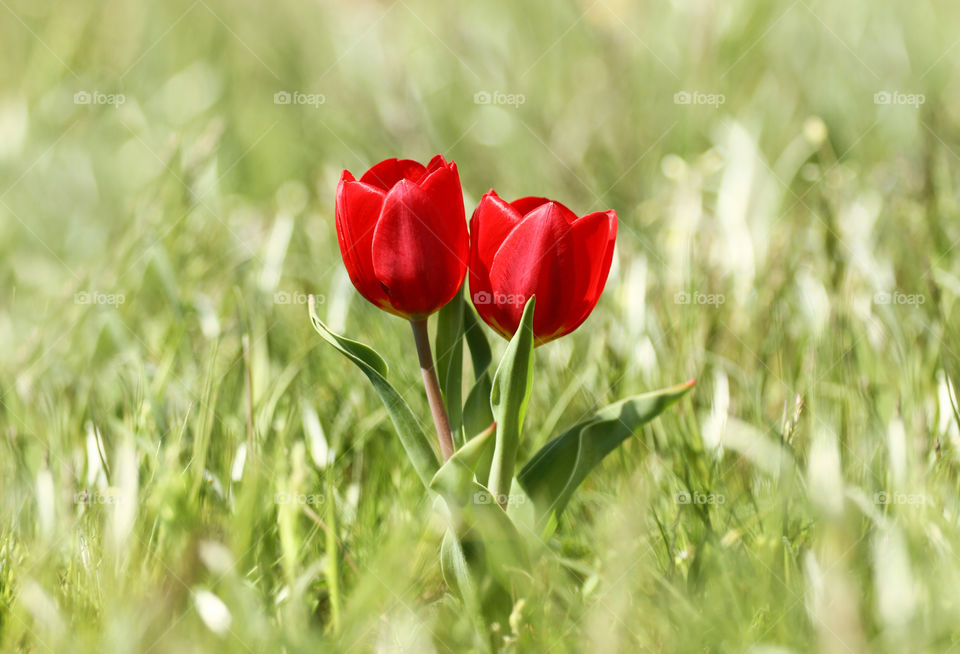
{"points": [[487, 571], [552, 475], [504, 547], [454, 480], [449, 348], [520, 509], [414, 441], [456, 572], [508, 399], [477, 415], [484, 557], [480, 355]]}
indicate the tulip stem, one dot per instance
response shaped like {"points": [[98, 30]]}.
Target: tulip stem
{"points": [[422, 338]]}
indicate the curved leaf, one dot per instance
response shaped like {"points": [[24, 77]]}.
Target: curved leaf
{"points": [[509, 395], [477, 414], [480, 355], [552, 475], [456, 572], [454, 480], [414, 441], [483, 526]]}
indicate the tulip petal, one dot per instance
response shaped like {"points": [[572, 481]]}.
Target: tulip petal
{"points": [[443, 187], [492, 221], [358, 207], [419, 253], [537, 258], [438, 162], [388, 172], [595, 235], [523, 206]]}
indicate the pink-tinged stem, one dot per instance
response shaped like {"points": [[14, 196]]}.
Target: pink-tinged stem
{"points": [[432, 386]]}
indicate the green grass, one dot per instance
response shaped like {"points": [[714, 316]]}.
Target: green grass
{"points": [[799, 202]]}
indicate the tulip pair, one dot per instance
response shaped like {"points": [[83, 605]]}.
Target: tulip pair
{"points": [[403, 237]]}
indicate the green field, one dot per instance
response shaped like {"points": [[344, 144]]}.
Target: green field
{"points": [[185, 466]]}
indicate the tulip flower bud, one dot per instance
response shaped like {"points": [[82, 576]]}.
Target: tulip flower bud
{"points": [[403, 234], [534, 246]]}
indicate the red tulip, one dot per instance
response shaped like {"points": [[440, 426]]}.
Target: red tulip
{"points": [[403, 234], [534, 246]]}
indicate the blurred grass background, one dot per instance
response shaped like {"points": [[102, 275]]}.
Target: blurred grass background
{"points": [[185, 467]]}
